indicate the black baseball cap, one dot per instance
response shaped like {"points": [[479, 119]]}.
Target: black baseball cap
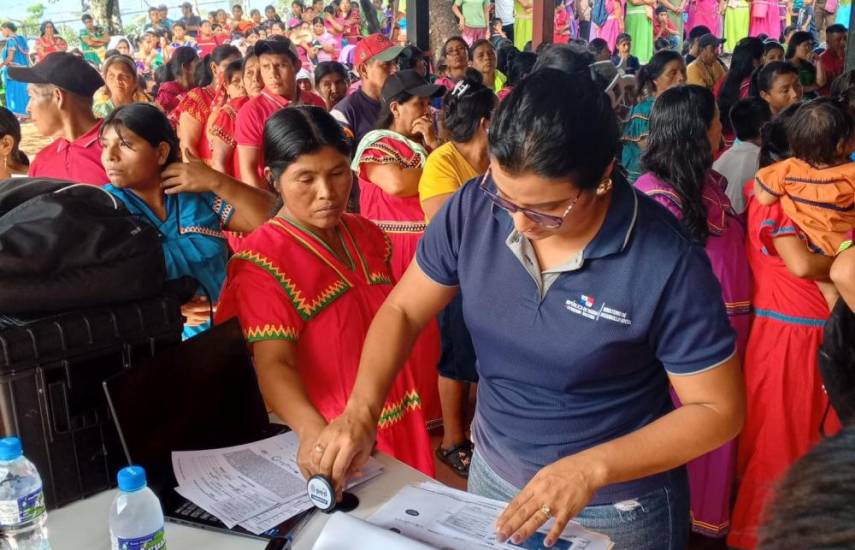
{"points": [[64, 70], [411, 82], [710, 40]]}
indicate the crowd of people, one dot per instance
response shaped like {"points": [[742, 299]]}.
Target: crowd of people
{"points": [[391, 229]]}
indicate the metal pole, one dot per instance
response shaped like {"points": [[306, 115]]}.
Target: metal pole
{"points": [[418, 24], [543, 16], [850, 43]]}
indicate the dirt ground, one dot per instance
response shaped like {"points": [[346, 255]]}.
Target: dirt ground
{"points": [[31, 141]]}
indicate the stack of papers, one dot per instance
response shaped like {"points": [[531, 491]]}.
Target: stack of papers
{"points": [[256, 486], [446, 518]]}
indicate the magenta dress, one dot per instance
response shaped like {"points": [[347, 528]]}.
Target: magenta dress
{"points": [[704, 12], [711, 476], [612, 27], [765, 19]]}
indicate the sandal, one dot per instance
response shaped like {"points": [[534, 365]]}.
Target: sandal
{"points": [[457, 458]]}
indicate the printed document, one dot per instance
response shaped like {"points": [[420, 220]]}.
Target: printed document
{"points": [[256, 486]]}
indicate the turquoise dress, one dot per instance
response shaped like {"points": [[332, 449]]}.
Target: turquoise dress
{"points": [[16, 92], [635, 130], [192, 237]]}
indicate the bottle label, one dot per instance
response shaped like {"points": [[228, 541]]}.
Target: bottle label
{"points": [[22, 510], [154, 541]]}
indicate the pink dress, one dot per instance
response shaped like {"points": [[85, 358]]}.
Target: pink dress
{"points": [[711, 476], [765, 19], [612, 27], [704, 12]]}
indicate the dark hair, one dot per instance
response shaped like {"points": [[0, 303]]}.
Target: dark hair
{"points": [[204, 76], [86, 17], [536, 129], [654, 69], [505, 56], [149, 123], [660, 9], [770, 45], [570, 59], [678, 150], [812, 504], [409, 57], [765, 76], [179, 24], [386, 118], [598, 46], [232, 69], [442, 52], [296, 131], [747, 117], [9, 25], [746, 56], [477, 44], [798, 38], [817, 130], [520, 66], [44, 25], [325, 68], [661, 44], [181, 56], [9, 126], [462, 111], [836, 28], [843, 83], [773, 136]]}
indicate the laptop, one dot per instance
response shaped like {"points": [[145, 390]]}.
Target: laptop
{"points": [[200, 394]]}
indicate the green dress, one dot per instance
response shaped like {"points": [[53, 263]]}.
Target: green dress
{"points": [[92, 54], [639, 27], [737, 16], [523, 29], [635, 130]]}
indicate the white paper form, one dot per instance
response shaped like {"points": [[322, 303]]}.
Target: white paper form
{"points": [[452, 519], [257, 485], [342, 530]]}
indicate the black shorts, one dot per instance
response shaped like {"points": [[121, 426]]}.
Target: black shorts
{"points": [[457, 361]]}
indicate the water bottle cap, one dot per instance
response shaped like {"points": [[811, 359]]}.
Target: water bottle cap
{"points": [[131, 478], [10, 448]]}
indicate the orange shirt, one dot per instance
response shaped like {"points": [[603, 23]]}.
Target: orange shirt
{"points": [[820, 202]]}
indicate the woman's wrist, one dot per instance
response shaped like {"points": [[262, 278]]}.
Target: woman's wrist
{"points": [[586, 468]]}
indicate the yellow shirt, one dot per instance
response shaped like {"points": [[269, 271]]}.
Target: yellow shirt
{"points": [[704, 75], [445, 171]]}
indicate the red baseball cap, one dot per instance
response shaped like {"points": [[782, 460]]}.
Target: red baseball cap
{"points": [[375, 47]]}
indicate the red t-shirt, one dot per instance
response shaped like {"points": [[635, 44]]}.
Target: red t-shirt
{"points": [[78, 161], [249, 127], [833, 67]]}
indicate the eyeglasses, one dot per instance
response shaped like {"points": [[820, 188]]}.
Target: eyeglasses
{"points": [[546, 221]]}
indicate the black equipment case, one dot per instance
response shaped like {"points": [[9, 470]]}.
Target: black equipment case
{"points": [[51, 372]]}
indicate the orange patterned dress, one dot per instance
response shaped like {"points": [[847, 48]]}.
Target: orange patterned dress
{"points": [[285, 283]]}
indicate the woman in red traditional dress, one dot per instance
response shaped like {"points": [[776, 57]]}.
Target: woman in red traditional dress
{"points": [[192, 113], [179, 78], [306, 285], [786, 400], [389, 163], [243, 82], [48, 41]]}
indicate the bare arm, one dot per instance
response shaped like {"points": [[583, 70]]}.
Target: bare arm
{"points": [[712, 413], [221, 153], [283, 389], [455, 9], [763, 196], [800, 261], [394, 180], [248, 160], [843, 276], [432, 205], [189, 133], [348, 440]]}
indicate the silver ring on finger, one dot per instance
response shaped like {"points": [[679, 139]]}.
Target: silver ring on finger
{"points": [[546, 511]]}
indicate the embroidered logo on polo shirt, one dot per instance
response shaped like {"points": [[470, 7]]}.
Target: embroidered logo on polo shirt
{"points": [[587, 307]]}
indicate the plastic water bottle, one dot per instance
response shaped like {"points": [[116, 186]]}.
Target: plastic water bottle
{"points": [[136, 518], [22, 502]]}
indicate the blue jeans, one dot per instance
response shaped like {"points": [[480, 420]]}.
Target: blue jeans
{"points": [[656, 521]]}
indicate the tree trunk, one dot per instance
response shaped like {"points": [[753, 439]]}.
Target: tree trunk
{"points": [[443, 24], [107, 14]]}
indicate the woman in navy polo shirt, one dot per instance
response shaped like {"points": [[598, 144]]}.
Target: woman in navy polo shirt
{"points": [[584, 300]]}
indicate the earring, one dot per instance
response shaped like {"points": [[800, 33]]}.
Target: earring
{"points": [[605, 186]]}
